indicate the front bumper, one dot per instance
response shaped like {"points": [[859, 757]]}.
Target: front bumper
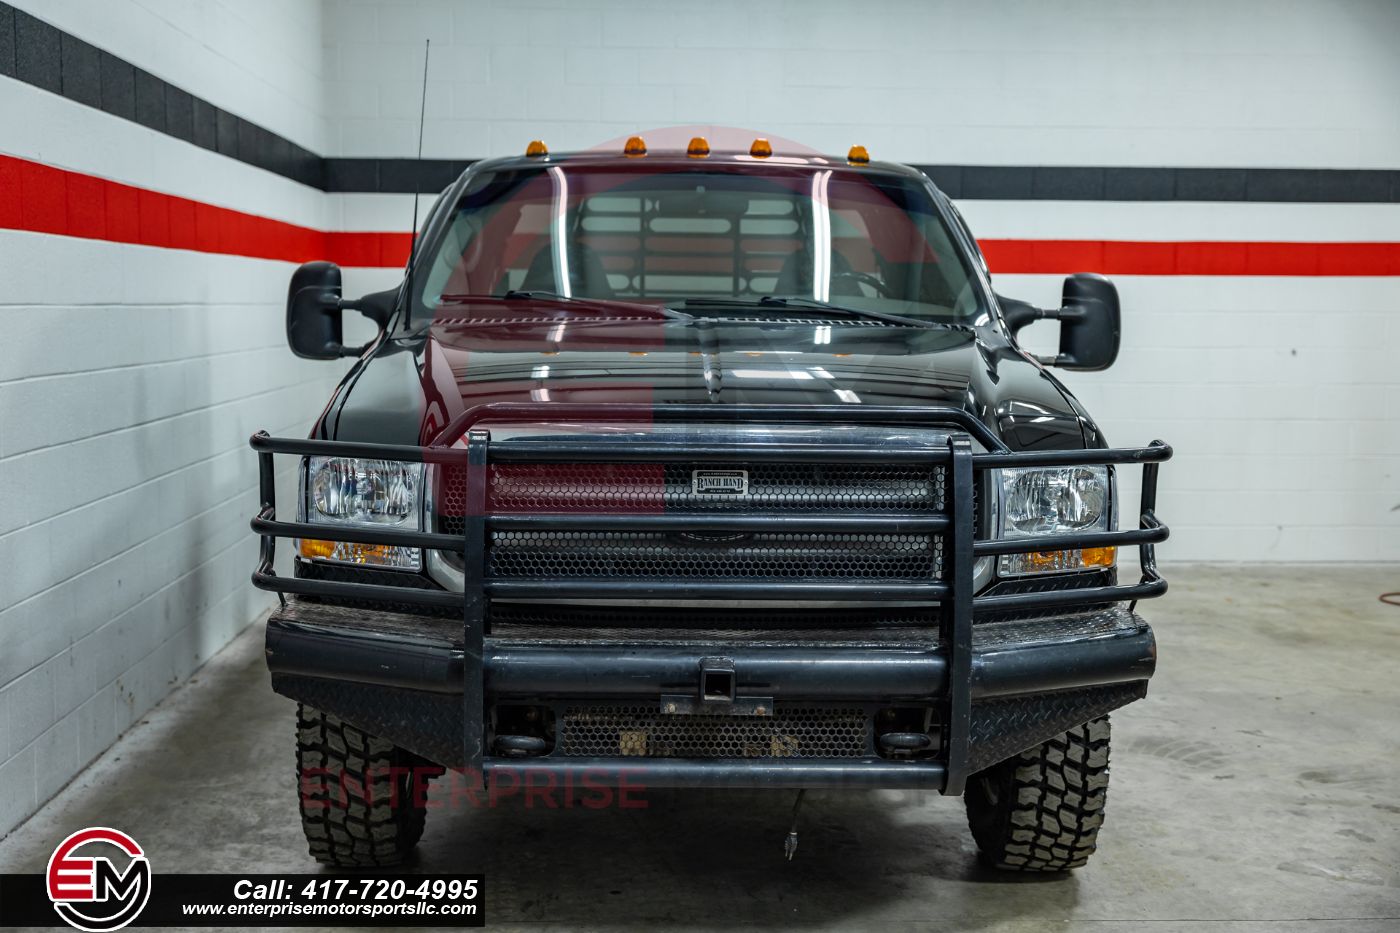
{"points": [[400, 676]]}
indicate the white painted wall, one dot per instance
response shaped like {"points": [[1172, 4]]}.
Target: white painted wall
{"points": [[130, 380], [260, 59], [1078, 82], [1278, 393]]}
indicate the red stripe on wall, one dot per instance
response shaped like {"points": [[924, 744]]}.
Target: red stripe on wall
{"points": [[1122, 257], [44, 199]]}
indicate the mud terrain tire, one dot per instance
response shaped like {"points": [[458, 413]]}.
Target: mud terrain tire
{"points": [[356, 793], [1041, 810]]}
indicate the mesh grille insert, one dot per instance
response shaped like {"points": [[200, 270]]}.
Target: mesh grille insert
{"points": [[779, 556], [653, 488], [643, 732]]}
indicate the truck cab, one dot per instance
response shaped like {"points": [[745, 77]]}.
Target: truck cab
{"points": [[704, 468]]}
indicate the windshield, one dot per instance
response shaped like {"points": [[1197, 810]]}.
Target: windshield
{"points": [[672, 233]]}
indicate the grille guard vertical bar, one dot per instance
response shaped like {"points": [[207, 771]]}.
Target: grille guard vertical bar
{"points": [[1147, 551], [267, 509], [957, 613], [474, 604]]}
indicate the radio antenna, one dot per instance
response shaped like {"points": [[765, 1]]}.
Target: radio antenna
{"points": [[417, 186]]}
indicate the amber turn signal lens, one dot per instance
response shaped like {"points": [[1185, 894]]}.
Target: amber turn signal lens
{"points": [[761, 148], [699, 148], [636, 146], [346, 552], [536, 148], [1050, 561], [313, 548], [858, 155], [1098, 556]]}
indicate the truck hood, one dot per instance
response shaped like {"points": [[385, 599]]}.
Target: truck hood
{"points": [[523, 352]]}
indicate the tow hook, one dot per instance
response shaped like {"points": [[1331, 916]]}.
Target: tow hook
{"points": [[520, 746]]}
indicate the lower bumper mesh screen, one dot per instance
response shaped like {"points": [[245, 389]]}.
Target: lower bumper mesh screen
{"points": [[643, 732]]}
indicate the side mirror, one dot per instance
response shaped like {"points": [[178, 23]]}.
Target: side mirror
{"points": [[1091, 323], [1091, 327], [314, 307], [313, 311]]}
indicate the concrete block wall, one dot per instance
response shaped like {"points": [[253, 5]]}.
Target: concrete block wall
{"points": [[1278, 392], [132, 375]]}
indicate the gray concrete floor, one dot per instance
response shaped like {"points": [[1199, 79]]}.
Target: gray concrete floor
{"points": [[1257, 788]]}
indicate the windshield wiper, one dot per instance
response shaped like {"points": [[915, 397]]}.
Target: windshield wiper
{"points": [[535, 293], [605, 304], [821, 307]]}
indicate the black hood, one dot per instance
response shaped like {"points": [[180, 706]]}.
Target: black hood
{"points": [[542, 355]]}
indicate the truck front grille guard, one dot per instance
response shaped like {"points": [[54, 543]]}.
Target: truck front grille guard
{"points": [[952, 593]]}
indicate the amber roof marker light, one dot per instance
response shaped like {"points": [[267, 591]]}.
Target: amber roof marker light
{"points": [[635, 147], [536, 148], [858, 156], [699, 148], [761, 148]]}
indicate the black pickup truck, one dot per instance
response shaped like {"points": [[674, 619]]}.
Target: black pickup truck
{"points": [[701, 468]]}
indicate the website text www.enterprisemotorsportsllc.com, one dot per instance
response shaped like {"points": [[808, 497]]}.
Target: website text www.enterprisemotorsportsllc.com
{"points": [[111, 900]]}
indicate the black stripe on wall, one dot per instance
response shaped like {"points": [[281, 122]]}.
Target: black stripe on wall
{"points": [[999, 182], [40, 54], [400, 176], [1069, 183]]}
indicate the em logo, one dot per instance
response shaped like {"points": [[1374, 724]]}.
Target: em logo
{"points": [[88, 891]]}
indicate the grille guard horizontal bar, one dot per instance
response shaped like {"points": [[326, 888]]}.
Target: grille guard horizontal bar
{"points": [[1152, 531], [607, 588], [781, 523], [952, 594], [266, 524], [592, 451]]}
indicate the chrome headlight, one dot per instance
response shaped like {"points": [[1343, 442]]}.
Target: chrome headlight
{"points": [[1049, 501], [363, 493]]}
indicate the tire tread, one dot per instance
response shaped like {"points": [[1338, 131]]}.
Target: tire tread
{"points": [[1050, 803], [362, 821]]}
